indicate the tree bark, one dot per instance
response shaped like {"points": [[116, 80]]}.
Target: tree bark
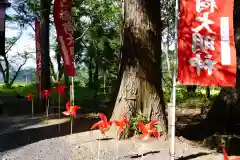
{"points": [[7, 69], [208, 92], [141, 88], [54, 76], [117, 83], [90, 75], [96, 73], [45, 75], [191, 90]]}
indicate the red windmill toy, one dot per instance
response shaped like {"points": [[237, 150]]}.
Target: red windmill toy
{"points": [[122, 123], [148, 130], [30, 99], [60, 88], [71, 111], [45, 93], [103, 125], [225, 155], [60, 91]]}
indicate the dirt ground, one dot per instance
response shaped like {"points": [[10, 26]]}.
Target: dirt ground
{"points": [[27, 138]]}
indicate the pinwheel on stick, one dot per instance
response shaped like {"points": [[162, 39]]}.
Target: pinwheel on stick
{"points": [[30, 99], [60, 90], [72, 112], [46, 94], [148, 130], [225, 155], [122, 124], [103, 125]]}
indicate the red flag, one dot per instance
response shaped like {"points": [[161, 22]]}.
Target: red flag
{"points": [[206, 47], [65, 36], [38, 54]]}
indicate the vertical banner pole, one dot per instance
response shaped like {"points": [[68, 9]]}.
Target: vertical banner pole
{"points": [[59, 110], [173, 106], [72, 92], [72, 101]]}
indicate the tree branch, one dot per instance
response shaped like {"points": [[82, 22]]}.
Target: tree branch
{"points": [[15, 76], [25, 15], [9, 48], [2, 71], [25, 56]]}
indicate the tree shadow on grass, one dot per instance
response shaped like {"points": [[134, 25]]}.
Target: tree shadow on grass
{"points": [[20, 138]]}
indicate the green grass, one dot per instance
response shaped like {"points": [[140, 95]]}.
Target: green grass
{"points": [[183, 99], [84, 96]]}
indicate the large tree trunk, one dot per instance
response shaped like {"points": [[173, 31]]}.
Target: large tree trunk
{"points": [[90, 74], [45, 78], [224, 111], [141, 88], [96, 74], [6, 72], [60, 66], [117, 83], [54, 76], [191, 89]]}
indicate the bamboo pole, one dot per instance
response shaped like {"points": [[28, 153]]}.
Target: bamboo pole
{"points": [[173, 109]]}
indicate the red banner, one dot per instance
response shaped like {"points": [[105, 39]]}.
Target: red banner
{"points": [[65, 36], [206, 47], [38, 53]]}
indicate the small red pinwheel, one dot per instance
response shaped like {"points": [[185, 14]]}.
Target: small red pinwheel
{"points": [[148, 129], [103, 125], [60, 88], [30, 97], [71, 110], [225, 155], [122, 123], [45, 93]]}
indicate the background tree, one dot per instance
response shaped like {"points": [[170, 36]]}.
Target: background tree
{"points": [[45, 6], [10, 66]]}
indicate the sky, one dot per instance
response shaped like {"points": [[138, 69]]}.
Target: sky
{"points": [[27, 42]]}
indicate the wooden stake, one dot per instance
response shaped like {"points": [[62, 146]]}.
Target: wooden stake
{"points": [[59, 115], [117, 148], [99, 147], [71, 123], [72, 101], [142, 147], [32, 109], [47, 106]]}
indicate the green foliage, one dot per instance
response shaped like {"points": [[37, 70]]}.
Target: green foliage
{"points": [[134, 122], [26, 11], [97, 53], [81, 76], [184, 99], [85, 97]]}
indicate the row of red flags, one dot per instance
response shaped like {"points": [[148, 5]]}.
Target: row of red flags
{"points": [[65, 36], [206, 47]]}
